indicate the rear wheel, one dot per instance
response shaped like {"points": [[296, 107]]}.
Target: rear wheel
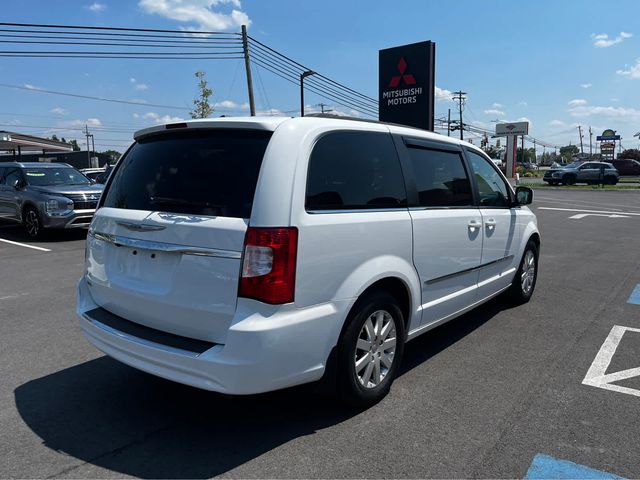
{"points": [[32, 223], [370, 350], [610, 180], [524, 283]]}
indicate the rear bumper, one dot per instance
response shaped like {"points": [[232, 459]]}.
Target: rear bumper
{"points": [[267, 348]]}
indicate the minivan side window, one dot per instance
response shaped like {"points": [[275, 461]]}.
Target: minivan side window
{"points": [[354, 170], [441, 179], [492, 188]]}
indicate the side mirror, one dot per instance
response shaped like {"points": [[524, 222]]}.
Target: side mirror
{"points": [[524, 196]]}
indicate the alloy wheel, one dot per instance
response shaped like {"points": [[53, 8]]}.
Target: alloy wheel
{"points": [[375, 349], [528, 272], [32, 223]]}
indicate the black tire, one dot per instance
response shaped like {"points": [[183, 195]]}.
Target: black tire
{"points": [[32, 223], [569, 179], [610, 180], [351, 388], [517, 293]]}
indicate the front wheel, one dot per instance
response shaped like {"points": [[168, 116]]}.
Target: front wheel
{"points": [[524, 283], [32, 223], [569, 180], [370, 350]]}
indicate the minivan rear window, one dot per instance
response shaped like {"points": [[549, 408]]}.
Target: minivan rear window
{"points": [[205, 172]]}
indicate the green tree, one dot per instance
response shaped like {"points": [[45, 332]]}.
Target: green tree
{"points": [[529, 155], [202, 107], [493, 151], [114, 154], [74, 144], [568, 151], [54, 137], [630, 154]]}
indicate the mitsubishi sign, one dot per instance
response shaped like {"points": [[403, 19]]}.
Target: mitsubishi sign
{"points": [[406, 85]]}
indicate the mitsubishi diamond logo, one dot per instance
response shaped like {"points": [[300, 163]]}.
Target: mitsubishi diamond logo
{"points": [[406, 77]]}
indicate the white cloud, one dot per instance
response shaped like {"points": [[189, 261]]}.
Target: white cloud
{"points": [[31, 87], [522, 104], [633, 72], [497, 105], [586, 85], [443, 94], [141, 86], [602, 40], [132, 80], [76, 124], [59, 111], [557, 123], [228, 104], [494, 112], [623, 113], [155, 118], [577, 102], [96, 7], [198, 12]]}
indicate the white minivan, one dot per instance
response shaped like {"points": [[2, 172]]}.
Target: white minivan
{"points": [[243, 255]]}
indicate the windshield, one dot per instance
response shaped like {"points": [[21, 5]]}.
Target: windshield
{"points": [[55, 176]]}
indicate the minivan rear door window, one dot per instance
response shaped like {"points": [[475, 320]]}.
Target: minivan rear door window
{"points": [[202, 172]]}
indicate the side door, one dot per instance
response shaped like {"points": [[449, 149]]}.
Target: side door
{"points": [[10, 196], [500, 225], [447, 227], [589, 172]]}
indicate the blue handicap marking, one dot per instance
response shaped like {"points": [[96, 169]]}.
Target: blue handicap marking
{"points": [[635, 296], [547, 467]]}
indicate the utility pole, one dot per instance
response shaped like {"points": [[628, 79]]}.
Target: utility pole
{"points": [[449, 124], [581, 137], [590, 142], [86, 132], [322, 105], [459, 97], [247, 66], [303, 75], [535, 160]]}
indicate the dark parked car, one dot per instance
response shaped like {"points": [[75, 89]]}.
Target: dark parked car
{"points": [[627, 167], [582, 172], [46, 195]]}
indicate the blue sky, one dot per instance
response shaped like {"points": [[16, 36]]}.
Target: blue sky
{"points": [[558, 64]]}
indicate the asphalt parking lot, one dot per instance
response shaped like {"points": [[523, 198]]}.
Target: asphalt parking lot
{"points": [[479, 397]]}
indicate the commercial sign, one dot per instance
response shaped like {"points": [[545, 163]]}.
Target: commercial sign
{"points": [[406, 84], [514, 128], [607, 147], [608, 135]]}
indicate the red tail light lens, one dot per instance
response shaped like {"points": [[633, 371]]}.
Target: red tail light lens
{"points": [[269, 265]]}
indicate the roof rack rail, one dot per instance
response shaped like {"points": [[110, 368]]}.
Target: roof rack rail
{"points": [[366, 120]]}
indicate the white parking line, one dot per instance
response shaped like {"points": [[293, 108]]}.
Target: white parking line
{"points": [[587, 204], [587, 211], [25, 245]]}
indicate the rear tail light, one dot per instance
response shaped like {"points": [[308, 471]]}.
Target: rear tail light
{"points": [[269, 265]]}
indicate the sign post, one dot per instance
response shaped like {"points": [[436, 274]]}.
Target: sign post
{"points": [[406, 85], [511, 131]]}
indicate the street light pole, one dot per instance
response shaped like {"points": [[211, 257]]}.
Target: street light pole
{"points": [[303, 75]]}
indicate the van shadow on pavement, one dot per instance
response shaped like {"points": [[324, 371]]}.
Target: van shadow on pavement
{"points": [[113, 416]]}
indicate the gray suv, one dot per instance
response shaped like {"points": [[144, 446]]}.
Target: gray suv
{"points": [[46, 195], [583, 172]]}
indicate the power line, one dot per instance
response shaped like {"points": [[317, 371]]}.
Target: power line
{"points": [[89, 97]]}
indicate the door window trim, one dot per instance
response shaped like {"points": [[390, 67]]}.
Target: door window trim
{"points": [[403, 144]]}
